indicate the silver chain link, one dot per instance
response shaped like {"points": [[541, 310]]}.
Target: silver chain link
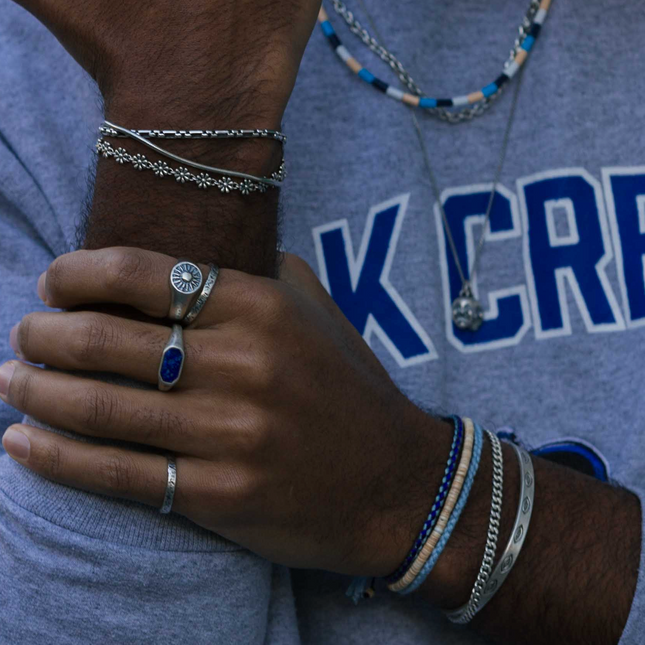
{"points": [[451, 116]]}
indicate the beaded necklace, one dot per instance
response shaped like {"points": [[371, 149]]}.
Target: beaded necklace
{"points": [[529, 31], [467, 312]]}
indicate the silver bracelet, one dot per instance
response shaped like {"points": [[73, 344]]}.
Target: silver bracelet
{"points": [[520, 528], [466, 612], [276, 178], [183, 175], [107, 131]]}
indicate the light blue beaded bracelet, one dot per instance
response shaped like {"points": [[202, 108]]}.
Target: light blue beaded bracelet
{"points": [[437, 506], [454, 517]]}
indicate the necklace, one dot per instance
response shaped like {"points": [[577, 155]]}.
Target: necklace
{"points": [[481, 100], [467, 312]]}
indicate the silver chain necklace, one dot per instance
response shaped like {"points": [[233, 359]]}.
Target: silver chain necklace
{"points": [[452, 116], [467, 312]]}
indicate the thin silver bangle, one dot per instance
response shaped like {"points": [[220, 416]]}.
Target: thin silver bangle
{"points": [[193, 164], [520, 528], [466, 612]]}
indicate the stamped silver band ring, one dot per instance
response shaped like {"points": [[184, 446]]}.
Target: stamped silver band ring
{"points": [[171, 486], [172, 360], [203, 296], [185, 281]]}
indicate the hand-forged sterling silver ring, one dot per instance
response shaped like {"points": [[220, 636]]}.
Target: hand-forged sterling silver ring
{"points": [[209, 285], [185, 280], [172, 360], [171, 486]]}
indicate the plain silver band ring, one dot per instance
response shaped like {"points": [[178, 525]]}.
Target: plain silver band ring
{"points": [[171, 486], [185, 280], [209, 285]]}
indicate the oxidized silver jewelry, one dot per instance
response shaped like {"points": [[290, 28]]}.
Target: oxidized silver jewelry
{"points": [[466, 612], [185, 281], [273, 181], [107, 131], [171, 486], [183, 175], [520, 528], [467, 313], [211, 279], [172, 360]]}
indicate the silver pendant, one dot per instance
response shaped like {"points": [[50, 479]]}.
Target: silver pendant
{"points": [[467, 313]]}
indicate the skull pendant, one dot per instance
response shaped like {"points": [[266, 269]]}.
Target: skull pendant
{"points": [[467, 313]]}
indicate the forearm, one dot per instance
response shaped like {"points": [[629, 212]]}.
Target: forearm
{"points": [[576, 575]]}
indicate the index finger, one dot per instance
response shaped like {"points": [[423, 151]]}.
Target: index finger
{"points": [[134, 277]]}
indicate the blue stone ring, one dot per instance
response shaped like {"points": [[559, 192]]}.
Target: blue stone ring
{"points": [[172, 360]]}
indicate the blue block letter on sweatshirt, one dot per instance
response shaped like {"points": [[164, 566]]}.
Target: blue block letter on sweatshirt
{"points": [[567, 240], [360, 285], [625, 191]]}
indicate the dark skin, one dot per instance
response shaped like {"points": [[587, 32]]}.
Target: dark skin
{"points": [[576, 577]]}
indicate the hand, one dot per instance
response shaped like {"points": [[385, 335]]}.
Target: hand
{"points": [[290, 437], [169, 58]]}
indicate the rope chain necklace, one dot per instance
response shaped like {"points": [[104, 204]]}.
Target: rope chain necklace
{"points": [[467, 312]]}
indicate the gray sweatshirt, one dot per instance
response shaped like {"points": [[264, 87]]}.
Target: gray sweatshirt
{"points": [[561, 280]]}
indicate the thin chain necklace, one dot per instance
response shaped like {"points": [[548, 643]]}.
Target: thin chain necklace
{"points": [[480, 101], [467, 312]]}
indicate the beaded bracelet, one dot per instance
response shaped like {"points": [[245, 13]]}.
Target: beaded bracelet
{"points": [[438, 504], [451, 500], [456, 513]]}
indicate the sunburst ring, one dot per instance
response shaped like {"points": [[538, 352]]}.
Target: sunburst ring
{"points": [[185, 280]]}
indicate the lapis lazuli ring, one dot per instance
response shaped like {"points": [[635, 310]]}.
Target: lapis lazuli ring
{"points": [[172, 360], [185, 281]]}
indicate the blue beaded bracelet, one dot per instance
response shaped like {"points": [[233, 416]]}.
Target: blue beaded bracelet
{"points": [[454, 517], [360, 586], [435, 511]]}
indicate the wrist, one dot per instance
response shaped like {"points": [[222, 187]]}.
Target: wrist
{"points": [[135, 108], [395, 520], [450, 582]]}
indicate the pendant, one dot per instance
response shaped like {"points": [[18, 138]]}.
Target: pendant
{"points": [[467, 313]]}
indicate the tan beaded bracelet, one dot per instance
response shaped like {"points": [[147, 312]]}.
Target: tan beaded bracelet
{"points": [[451, 499]]}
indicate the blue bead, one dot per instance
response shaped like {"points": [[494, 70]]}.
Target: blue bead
{"points": [[171, 365]]}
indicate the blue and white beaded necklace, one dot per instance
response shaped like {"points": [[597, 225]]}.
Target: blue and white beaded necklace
{"points": [[529, 31], [467, 312]]}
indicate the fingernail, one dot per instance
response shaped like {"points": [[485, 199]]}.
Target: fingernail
{"points": [[6, 372], [13, 339], [16, 444], [41, 286]]}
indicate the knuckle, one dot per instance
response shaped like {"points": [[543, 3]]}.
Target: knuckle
{"points": [[125, 268], [162, 427], [99, 408], [275, 304], [237, 486], [254, 434], [265, 371], [20, 390], [25, 330], [50, 460], [96, 336], [56, 276], [118, 473]]}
